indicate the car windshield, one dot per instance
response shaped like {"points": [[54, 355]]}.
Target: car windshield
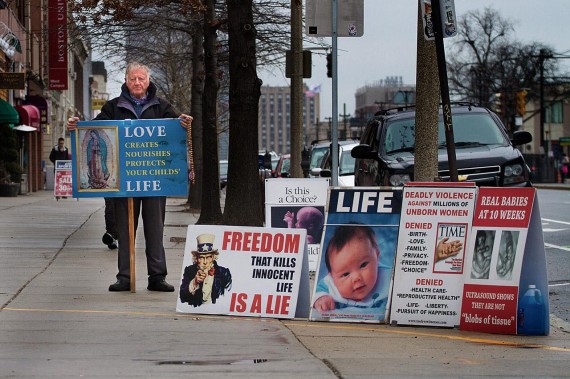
{"points": [[285, 165], [317, 155], [468, 130], [346, 164]]}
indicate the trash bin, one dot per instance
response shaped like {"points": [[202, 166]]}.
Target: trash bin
{"points": [[24, 184]]}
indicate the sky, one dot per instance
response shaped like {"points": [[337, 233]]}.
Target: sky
{"points": [[388, 46]]}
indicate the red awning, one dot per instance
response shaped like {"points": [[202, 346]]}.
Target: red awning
{"points": [[29, 115]]}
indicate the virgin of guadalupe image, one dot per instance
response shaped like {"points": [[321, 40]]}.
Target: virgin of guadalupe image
{"points": [[98, 173]]}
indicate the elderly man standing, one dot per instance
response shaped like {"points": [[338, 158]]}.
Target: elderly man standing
{"points": [[138, 100]]}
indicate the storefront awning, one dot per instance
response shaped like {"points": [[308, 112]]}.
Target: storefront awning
{"points": [[8, 114], [42, 105], [29, 115], [25, 128]]}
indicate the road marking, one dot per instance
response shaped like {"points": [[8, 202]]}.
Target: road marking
{"points": [[131, 313], [556, 221], [546, 221], [309, 325], [556, 247]]}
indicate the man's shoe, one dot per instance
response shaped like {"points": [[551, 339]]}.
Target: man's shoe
{"points": [[109, 240], [160, 286], [120, 286]]}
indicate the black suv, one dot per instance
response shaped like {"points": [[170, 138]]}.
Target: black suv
{"points": [[484, 153]]}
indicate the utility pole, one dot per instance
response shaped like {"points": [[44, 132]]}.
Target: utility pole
{"points": [[329, 133], [345, 118], [444, 90], [296, 110], [317, 129], [334, 128]]}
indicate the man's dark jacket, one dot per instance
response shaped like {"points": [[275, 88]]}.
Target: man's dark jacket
{"points": [[57, 155], [121, 108]]}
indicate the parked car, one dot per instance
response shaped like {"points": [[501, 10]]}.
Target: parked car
{"points": [[318, 150], [283, 166], [484, 153], [223, 173], [274, 158], [346, 164]]}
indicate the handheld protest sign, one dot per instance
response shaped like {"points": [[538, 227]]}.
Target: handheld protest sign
{"points": [[130, 158]]}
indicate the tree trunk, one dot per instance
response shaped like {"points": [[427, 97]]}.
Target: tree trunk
{"points": [[297, 94], [427, 107], [197, 180], [211, 211], [244, 200]]}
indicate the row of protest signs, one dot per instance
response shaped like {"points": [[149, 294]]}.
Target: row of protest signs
{"points": [[431, 254], [409, 256]]}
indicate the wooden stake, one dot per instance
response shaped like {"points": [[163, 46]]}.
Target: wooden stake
{"points": [[132, 244]]}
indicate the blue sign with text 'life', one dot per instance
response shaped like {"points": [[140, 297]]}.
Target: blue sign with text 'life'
{"points": [[129, 158]]}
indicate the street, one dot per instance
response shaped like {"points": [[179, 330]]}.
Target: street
{"points": [[555, 225]]}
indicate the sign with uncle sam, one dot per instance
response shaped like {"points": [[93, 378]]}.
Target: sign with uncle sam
{"points": [[242, 271]]}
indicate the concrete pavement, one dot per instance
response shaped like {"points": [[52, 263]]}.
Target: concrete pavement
{"points": [[57, 318]]}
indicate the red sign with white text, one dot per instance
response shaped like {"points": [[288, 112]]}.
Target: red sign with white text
{"points": [[57, 37], [500, 207], [494, 259], [63, 182], [492, 308]]}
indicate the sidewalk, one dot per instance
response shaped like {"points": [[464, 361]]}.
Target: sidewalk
{"points": [[57, 318]]}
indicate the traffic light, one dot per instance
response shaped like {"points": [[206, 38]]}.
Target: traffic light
{"points": [[521, 102], [329, 65]]}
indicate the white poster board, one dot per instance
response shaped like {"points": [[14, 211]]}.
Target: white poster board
{"points": [[428, 275], [241, 271], [298, 203]]}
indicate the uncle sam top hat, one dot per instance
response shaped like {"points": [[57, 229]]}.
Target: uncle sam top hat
{"points": [[205, 244]]}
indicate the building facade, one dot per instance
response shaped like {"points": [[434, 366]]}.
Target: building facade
{"points": [[50, 72], [383, 94], [274, 125]]}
